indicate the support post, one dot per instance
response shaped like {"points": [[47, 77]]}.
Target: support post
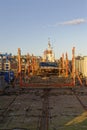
{"points": [[73, 65]]}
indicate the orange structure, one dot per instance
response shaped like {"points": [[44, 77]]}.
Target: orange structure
{"points": [[67, 67], [28, 64], [63, 66], [73, 65], [80, 81], [31, 65], [19, 61]]}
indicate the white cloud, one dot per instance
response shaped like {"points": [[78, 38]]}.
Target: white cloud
{"points": [[71, 22], [74, 22]]}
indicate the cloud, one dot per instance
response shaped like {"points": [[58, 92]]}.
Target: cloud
{"points": [[71, 22], [74, 22]]}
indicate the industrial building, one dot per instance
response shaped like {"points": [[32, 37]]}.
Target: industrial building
{"points": [[81, 65]]}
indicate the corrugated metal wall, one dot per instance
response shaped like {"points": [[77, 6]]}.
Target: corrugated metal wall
{"points": [[81, 65]]}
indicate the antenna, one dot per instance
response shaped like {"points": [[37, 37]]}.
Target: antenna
{"points": [[49, 45]]}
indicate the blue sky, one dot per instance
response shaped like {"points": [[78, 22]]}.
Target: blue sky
{"points": [[27, 24]]}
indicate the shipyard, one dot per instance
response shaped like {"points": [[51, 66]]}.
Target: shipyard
{"points": [[43, 93], [43, 65]]}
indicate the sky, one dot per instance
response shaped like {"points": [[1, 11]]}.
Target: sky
{"points": [[29, 24]]}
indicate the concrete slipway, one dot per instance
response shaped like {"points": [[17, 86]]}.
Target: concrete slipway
{"points": [[21, 109]]}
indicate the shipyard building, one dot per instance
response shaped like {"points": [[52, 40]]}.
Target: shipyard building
{"points": [[81, 65]]}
